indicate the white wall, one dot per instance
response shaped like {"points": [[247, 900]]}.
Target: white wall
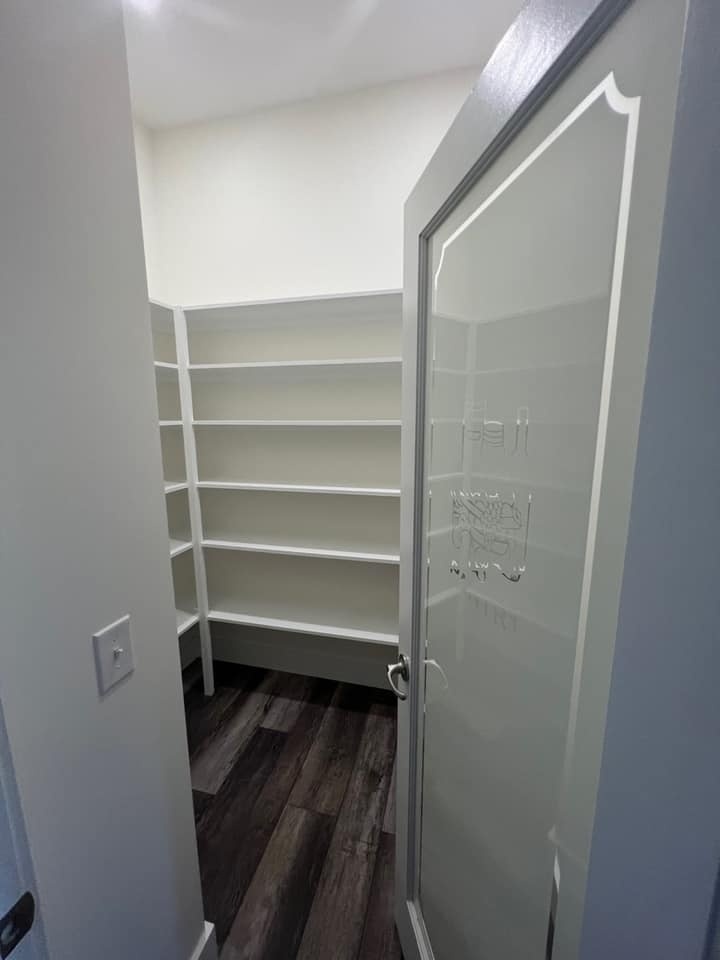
{"points": [[297, 200], [104, 784], [145, 165]]}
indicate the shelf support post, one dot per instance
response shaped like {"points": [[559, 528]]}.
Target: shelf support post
{"points": [[191, 469]]}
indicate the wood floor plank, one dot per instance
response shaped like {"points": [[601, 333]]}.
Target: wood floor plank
{"points": [[380, 939], [389, 818], [288, 698], [385, 699], [338, 913], [383, 706], [228, 846], [265, 795], [206, 715], [211, 763], [270, 740], [201, 801], [271, 919], [360, 818], [299, 740], [335, 925], [325, 774]]}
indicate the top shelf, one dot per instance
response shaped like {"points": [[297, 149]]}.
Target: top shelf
{"points": [[328, 309]]}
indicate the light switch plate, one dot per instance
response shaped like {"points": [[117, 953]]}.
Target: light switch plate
{"points": [[113, 653]]}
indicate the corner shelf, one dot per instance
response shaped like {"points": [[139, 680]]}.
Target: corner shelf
{"points": [[185, 621], [244, 393], [165, 370], [172, 486], [179, 546]]}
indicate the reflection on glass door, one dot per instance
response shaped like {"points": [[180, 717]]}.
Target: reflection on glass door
{"points": [[524, 286]]}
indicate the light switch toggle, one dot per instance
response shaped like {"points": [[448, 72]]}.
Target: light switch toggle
{"points": [[113, 654]]}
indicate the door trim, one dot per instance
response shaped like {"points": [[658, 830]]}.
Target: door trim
{"points": [[541, 47]]}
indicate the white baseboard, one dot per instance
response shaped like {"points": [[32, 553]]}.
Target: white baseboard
{"points": [[206, 948]]}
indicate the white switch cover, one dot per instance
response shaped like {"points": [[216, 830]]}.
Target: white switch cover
{"points": [[113, 653]]}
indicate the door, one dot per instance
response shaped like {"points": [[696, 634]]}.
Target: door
{"points": [[529, 287], [104, 779], [20, 936]]}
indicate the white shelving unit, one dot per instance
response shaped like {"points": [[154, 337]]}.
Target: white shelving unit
{"points": [[283, 482], [173, 413]]}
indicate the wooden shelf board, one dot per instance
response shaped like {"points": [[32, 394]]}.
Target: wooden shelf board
{"points": [[171, 423], [293, 551], [294, 423], [185, 620], [179, 546], [298, 626], [299, 488]]}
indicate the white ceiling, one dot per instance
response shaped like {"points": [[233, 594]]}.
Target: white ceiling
{"points": [[194, 60]]}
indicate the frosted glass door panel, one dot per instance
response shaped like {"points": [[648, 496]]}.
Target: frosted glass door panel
{"points": [[522, 296]]}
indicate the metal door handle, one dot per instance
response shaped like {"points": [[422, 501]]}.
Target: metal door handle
{"points": [[399, 669], [16, 924]]}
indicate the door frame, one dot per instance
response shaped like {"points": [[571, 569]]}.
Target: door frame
{"points": [[545, 42]]}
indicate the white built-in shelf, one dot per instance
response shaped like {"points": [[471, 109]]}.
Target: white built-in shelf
{"points": [[361, 363], [179, 546], [185, 621], [314, 567], [298, 626], [293, 551], [299, 488], [166, 370], [295, 423], [172, 486], [333, 309]]}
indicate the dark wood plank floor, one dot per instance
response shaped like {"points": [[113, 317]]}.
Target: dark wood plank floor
{"points": [[293, 785]]}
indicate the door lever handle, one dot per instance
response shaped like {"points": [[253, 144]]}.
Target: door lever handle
{"points": [[16, 924], [399, 669]]}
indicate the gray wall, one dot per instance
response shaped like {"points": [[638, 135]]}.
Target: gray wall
{"points": [[657, 830], [104, 784]]}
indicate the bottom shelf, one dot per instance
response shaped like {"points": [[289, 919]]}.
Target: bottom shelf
{"points": [[297, 626], [185, 620]]}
